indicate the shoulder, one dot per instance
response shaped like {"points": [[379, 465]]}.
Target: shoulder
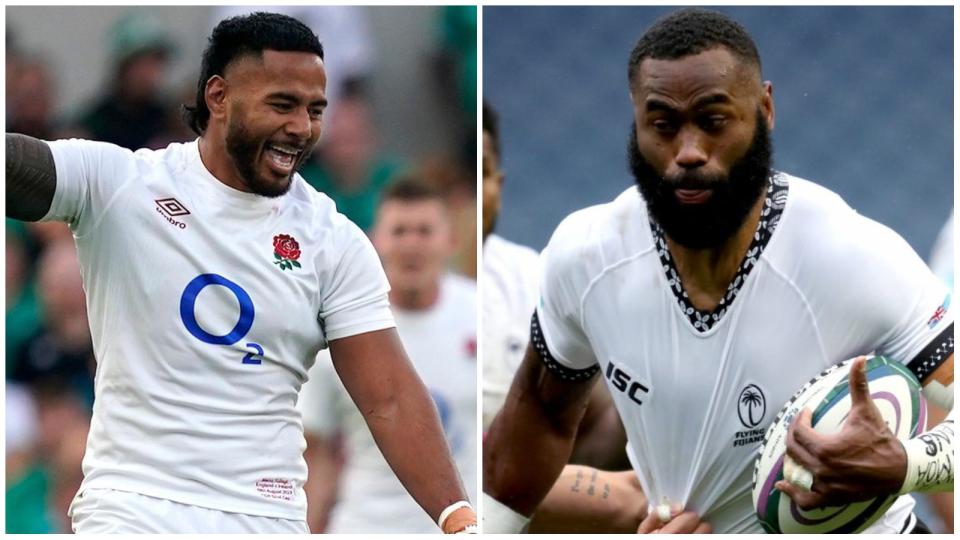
{"points": [[598, 236], [498, 248], [318, 211], [818, 221], [826, 245]]}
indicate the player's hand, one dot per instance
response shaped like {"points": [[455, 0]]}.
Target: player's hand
{"points": [[461, 521], [680, 523], [862, 461]]}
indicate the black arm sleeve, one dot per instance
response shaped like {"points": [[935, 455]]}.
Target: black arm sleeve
{"points": [[31, 177]]}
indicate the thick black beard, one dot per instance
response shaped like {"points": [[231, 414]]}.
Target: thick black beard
{"points": [[710, 224], [243, 150]]}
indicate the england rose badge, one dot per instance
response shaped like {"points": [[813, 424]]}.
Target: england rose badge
{"points": [[286, 251]]}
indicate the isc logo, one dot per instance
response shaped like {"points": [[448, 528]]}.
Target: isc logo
{"points": [[625, 384]]}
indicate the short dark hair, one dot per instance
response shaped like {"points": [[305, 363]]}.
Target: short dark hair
{"points": [[691, 31], [243, 35], [491, 124], [408, 188]]}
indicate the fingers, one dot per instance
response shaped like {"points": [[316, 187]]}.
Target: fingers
{"points": [[680, 523], [802, 440], [655, 520], [859, 389], [806, 500], [685, 523]]}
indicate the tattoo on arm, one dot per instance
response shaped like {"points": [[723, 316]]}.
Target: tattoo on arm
{"points": [[31, 177], [591, 489]]}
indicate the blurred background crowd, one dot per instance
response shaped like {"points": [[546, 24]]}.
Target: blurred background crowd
{"points": [[402, 91]]}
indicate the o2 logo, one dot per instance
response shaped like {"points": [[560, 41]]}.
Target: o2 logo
{"points": [[188, 301]]}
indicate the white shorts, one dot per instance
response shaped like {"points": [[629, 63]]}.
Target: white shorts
{"points": [[101, 511]]}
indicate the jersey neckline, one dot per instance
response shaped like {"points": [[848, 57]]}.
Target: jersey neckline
{"points": [[702, 321], [241, 201]]}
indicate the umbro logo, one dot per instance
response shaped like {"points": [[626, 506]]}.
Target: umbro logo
{"points": [[170, 208]]}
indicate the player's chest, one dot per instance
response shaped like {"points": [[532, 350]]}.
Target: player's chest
{"points": [[227, 277], [732, 378]]}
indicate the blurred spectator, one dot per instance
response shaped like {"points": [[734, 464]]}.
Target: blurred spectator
{"points": [[66, 462], [348, 166], [23, 313], [30, 98], [345, 35], [27, 480], [133, 113], [458, 44], [60, 354]]}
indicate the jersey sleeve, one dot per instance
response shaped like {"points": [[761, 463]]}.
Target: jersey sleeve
{"points": [[556, 330], [90, 174], [905, 300], [355, 299]]}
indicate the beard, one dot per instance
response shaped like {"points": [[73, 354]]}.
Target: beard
{"points": [[243, 149], [711, 223]]}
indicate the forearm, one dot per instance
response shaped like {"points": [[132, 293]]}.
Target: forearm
{"points": [[31, 177], [409, 434], [930, 459], [532, 437], [401, 416], [588, 500]]}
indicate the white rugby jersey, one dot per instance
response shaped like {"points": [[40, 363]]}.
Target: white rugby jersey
{"points": [[207, 307], [696, 391], [441, 343], [510, 276]]}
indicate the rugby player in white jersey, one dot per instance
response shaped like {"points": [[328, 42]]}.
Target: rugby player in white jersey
{"points": [[510, 274], [436, 317], [716, 279], [214, 274], [510, 291]]}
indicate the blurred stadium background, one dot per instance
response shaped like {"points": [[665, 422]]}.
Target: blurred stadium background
{"points": [[864, 99], [863, 95], [402, 87]]}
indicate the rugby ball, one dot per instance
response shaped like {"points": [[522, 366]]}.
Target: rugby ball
{"points": [[895, 391]]}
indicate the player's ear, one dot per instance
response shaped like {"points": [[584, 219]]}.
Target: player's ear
{"points": [[766, 104], [215, 94]]}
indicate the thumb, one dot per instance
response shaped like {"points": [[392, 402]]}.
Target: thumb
{"points": [[859, 389]]}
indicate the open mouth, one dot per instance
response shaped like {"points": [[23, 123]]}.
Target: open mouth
{"points": [[282, 157]]}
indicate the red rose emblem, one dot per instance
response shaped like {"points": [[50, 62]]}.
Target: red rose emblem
{"points": [[286, 247], [286, 250]]}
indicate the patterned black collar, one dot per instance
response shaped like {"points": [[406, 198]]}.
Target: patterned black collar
{"points": [[703, 321]]}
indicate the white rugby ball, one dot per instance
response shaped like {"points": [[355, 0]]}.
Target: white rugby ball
{"points": [[895, 391]]}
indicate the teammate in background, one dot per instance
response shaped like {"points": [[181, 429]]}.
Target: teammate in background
{"points": [[510, 278], [718, 277], [509, 298], [214, 276], [436, 319]]}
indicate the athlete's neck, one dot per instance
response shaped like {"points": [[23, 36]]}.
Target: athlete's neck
{"points": [[214, 156], [706, 273], [415, 298]]}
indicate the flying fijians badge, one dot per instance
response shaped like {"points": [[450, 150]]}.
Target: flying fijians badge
{"points": [[286, 251]]}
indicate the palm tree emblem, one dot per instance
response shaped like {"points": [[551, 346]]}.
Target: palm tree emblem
{"points": [[753, 401]]}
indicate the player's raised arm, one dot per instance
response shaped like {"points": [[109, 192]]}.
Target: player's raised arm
{"points": [[530, 441], [403, 420], [31, 177]]}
